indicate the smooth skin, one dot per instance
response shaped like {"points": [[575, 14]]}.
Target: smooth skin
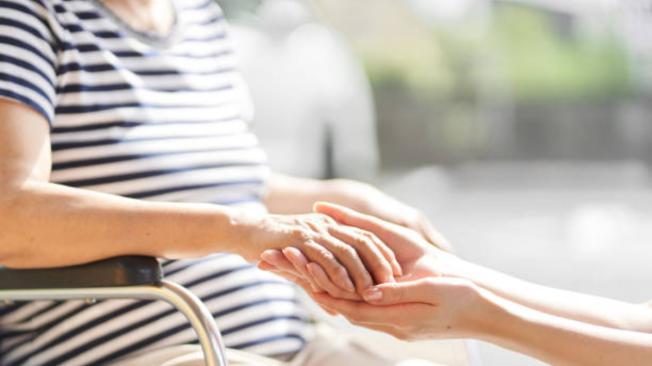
{"points": [[443, 296]]}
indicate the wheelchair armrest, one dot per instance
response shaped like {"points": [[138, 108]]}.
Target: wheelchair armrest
{"points": [[114, 272]]}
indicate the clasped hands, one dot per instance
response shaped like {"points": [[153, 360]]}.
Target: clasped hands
{"points": [[380, 275]]}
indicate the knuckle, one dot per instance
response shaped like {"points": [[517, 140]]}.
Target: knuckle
{"points": [[320, 250], [327, 254], [369, 236], [346, 250], [301, 234], [362, 243], [364, 240]]}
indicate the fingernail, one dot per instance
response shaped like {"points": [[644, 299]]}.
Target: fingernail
{"points": [[290, 255], [286, 251], [268, 255], [372, 295]]}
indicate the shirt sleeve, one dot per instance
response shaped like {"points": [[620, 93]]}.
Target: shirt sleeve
{"points": [[28, 55]]}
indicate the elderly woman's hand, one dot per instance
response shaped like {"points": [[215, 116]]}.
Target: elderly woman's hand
{"points": [[351, 259], [417, 258]]}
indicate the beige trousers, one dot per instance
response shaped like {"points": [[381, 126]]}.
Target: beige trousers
{"points": [[327, 348]]}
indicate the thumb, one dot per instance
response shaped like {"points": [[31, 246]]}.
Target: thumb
{"points": [[419, 291], [349, 217], [337, 212]]}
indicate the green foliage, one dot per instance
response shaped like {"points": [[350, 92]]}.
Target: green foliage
{"points": [[522, 49], [543, 62]]}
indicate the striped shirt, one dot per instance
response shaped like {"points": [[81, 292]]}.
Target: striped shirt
{"points": [[149, 117]]}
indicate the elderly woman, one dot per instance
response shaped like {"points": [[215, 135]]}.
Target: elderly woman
{"points": [[442, 296], [123, 131]]}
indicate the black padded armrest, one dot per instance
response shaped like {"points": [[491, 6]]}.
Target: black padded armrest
{"points": [[114, 272]]}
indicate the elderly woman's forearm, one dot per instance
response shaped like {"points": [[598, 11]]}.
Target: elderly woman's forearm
{"points": [[47, 225]]}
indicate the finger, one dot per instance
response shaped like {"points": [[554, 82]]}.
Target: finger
{"points": [[330, 311], [265, 266], [345, 254], [425, 291], [299, 262], [373, 258], [321, 279], [281, 264], [291, 275], [387, 253], [350, 217], [356, 311], [349, 256], [327, 260], [305, 285], [390, 317], [277, 259]]}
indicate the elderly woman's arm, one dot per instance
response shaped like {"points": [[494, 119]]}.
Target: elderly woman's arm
{"points": [[43, 224]]}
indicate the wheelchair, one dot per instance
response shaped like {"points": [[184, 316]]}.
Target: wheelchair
{"points": [[130, 277]]}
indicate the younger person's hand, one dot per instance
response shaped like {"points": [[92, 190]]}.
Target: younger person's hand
{"points": [[369, 200], [429, 308]]}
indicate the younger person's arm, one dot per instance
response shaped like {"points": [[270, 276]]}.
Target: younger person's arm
{"points": [[419, 259], [567, 304], [437, 308]]}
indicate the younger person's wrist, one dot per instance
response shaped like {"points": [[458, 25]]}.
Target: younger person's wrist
{"points": [[487, 317]]}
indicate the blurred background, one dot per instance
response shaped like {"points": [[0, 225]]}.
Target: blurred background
{"points": [[521, 127]]}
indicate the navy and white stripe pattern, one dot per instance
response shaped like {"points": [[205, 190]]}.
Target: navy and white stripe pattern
{"points": [[148, 117]]}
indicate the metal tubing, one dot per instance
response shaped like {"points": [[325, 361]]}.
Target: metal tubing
{"points": [[183, 300]]}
